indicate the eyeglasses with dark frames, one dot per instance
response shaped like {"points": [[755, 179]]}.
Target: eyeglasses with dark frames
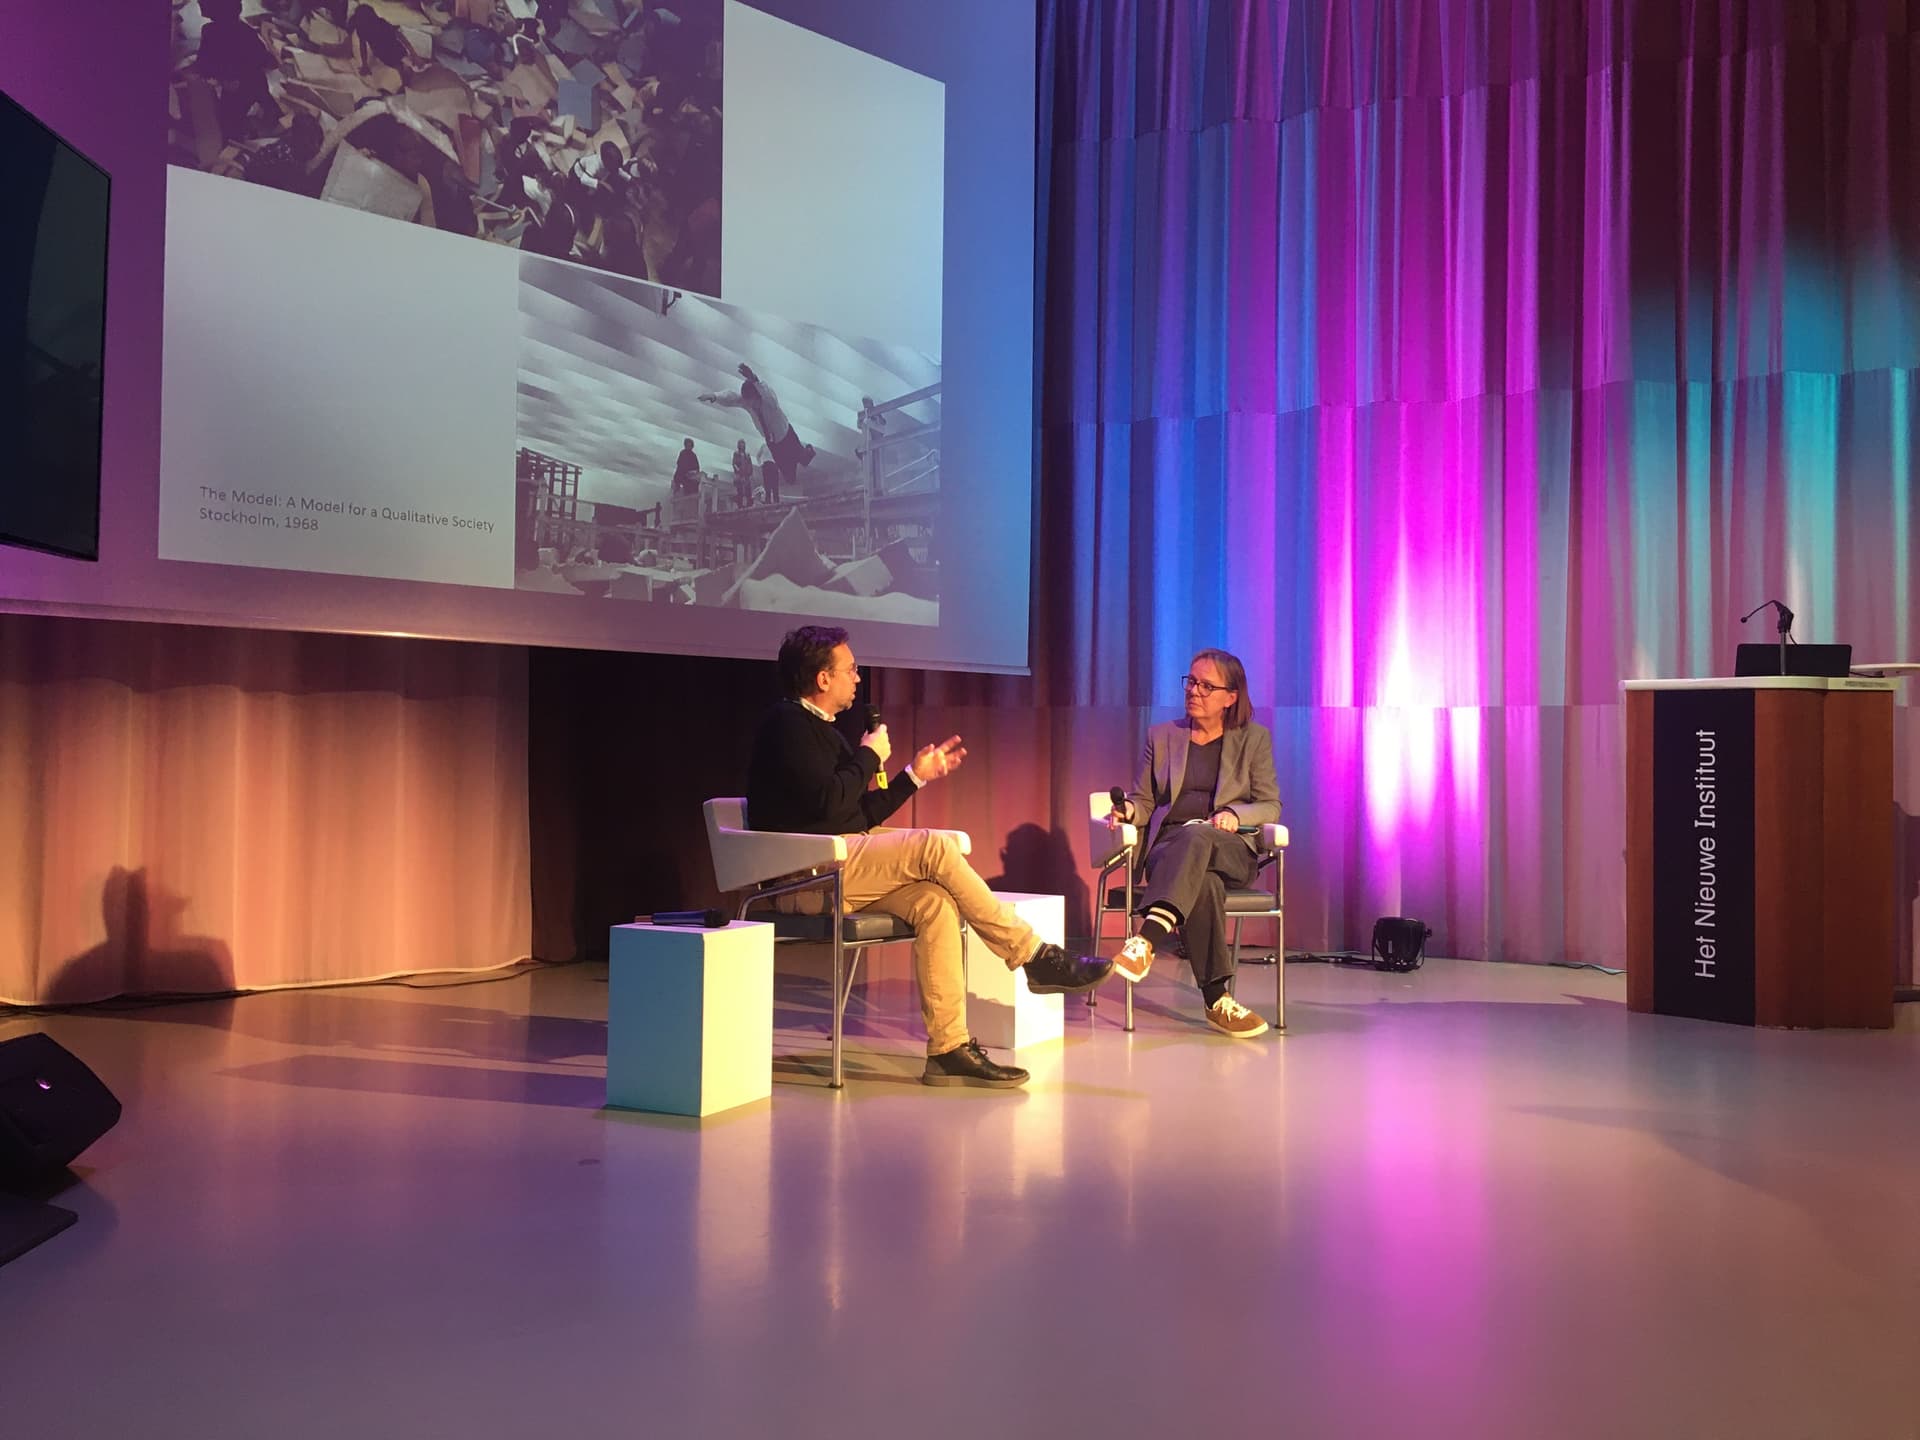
{"points": [[1203, 688]]}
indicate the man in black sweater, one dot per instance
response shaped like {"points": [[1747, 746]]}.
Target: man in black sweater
{"points": [[805, 777]]}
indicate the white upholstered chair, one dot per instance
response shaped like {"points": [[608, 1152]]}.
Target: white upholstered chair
{"points": [[764, 865]]}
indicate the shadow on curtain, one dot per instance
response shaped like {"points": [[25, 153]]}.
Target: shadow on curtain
{"points": [[186, 809]]}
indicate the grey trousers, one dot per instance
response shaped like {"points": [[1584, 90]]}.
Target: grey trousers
{"points": [[1190, 868]]}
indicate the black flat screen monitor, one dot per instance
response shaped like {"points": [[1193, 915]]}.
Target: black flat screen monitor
{"points": [[1832, 661], [53, 305]]}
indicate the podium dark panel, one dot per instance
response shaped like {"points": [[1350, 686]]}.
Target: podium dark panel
{"points": [[1703, 855]]}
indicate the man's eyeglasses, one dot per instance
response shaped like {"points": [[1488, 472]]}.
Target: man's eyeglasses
{"points": [[1194, 685]]}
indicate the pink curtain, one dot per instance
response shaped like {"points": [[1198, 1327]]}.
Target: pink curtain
{"points": [[186, 809]]}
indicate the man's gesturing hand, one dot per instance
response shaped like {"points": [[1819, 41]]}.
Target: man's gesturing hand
{"points": [[876, 741], [936, 762]]}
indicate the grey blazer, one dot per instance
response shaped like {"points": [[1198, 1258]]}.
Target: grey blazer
{"points": [[1246, 786]]}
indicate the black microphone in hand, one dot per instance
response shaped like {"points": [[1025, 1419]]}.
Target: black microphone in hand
{"points": [[873, 723], [1119, 797], [710, 919]]}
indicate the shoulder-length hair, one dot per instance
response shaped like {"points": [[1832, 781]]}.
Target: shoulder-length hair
{"points": [[1236, 678]]}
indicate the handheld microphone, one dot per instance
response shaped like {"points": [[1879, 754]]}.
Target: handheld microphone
{"points": [[710, 919], [1118, 795], [873, 723]]}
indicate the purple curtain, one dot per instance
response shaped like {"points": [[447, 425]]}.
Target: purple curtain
{"points": [[1453, 361]]}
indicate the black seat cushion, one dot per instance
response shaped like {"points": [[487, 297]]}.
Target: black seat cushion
{"points": [[1239, 902], [867, 927]]}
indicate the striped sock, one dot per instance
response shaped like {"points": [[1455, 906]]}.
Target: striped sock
{"points": [[1158, 924]]}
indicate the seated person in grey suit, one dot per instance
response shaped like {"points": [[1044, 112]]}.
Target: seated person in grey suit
{"points": [[1213, 772]]}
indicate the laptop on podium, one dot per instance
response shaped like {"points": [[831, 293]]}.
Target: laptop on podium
{"points": [[1832, 661]]}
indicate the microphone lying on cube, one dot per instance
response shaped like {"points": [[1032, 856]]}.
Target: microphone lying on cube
{"points": [[1398, 943], [706, 919]]}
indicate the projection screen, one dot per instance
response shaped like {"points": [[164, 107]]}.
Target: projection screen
{"points": [[596, 323]]}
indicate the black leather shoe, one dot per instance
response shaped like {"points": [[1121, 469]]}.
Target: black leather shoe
{"points": [[1052, 971], [970, 1065]]}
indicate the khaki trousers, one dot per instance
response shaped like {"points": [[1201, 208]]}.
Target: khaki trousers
{"points": [[921, 876]]}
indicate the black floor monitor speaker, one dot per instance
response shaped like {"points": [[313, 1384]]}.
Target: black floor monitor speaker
{"points": [[1398, 943], [51, 1108]]}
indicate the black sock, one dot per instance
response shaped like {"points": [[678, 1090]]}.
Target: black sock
{"points": [[1212, 990]]}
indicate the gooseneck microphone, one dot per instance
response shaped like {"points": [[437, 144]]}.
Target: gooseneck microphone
{"points": [[711, 919], [1786, 616], [1784, 626]]}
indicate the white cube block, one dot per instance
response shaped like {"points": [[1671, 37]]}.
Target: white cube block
{"points": [[1002, 1012], [690, 1017]]}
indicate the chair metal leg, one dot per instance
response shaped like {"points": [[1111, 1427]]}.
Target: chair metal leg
{"points": [[1280, 973], [839, 972], [853, 977], [1233, 979], [1100, 912], [1099, 937]]}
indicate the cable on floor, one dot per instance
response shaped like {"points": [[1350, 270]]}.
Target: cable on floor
{"points": [[405, 979]]}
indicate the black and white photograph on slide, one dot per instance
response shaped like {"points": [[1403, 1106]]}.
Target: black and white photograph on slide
{"points": [[583, 129], [675, 450]]}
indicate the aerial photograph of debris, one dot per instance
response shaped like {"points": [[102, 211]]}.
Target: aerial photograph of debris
{"points": [[683, 451], [585, 130]]}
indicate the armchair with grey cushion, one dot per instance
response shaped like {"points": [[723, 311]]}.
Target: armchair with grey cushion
{"points": [[1116, 851], [766, 865]]}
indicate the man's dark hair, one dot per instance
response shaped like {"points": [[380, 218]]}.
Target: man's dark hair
{"points": [[1235, 674], [804, 654]]}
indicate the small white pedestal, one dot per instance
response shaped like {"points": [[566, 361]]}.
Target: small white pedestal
{"points": [[689, 1017], [1001, 1011]]}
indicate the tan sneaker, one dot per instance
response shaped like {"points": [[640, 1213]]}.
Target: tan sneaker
{"points": [[1134, 960], [1230, 1017]]}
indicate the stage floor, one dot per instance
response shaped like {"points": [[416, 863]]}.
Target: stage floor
{"points": [[1476, 1201]]}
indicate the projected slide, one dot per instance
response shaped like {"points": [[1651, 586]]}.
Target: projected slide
{"points": [[621, 323], [583, 128], [676, 450]]}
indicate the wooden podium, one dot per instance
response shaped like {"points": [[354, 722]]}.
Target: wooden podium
{"points": [[1760, 850]]}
